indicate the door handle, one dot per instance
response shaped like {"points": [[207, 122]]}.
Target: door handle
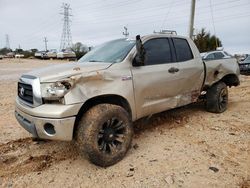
{"points": [[173, 70]]}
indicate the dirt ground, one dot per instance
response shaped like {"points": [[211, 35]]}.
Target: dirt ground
{"points": [[185, 147]]}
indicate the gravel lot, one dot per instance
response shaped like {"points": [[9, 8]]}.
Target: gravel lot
{"points": [[185, 147]]}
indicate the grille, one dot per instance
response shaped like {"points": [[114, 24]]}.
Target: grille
{"points": [[25, 92]]}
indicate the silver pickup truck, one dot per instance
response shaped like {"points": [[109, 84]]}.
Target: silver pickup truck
{"points": [[95, 100]]}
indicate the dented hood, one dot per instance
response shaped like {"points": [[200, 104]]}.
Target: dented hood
{"points": [[58, 72]]}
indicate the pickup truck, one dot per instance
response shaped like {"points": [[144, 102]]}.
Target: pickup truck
{"points": [[95, 100]]}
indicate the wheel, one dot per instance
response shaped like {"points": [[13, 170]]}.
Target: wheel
{"points": [[217, 98], [104, 134]]}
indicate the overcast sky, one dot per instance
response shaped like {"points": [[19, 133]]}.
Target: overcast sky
{"points": [[27, 22]]}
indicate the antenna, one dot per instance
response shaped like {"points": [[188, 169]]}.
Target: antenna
{"points": [[66, 39], [7, 40], [125, 33]]}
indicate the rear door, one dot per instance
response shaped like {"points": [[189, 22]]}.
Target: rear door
{"points": [[191, 71], [156, 84]]}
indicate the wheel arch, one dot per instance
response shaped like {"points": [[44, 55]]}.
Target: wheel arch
{"points": [[231, 80], [102, 99]]}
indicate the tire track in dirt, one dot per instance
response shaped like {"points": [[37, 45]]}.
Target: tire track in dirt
{"points": [[23, 156]]}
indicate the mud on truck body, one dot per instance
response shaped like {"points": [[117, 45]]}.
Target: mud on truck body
{"points": [[95, 100]]}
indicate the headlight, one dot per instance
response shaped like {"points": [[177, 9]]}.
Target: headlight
{"points": [[56, 90]]}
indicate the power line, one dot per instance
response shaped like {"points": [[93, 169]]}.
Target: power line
{"points": [[141, 19], [118, 18], [131, 11], [66, 39], [166, 16], [148, 9]]}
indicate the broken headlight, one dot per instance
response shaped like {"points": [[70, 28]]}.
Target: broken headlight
{"points": [[55, 90]]}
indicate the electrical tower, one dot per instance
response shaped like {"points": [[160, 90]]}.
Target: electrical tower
{"points": [[7, 40], [125, 33], [66, 39]]}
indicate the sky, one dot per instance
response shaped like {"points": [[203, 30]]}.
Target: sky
{"points": [[27, 22]]}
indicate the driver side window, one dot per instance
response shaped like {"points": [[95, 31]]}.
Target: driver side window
{"points": [[157, 51]]}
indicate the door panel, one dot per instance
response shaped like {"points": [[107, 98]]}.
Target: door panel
{"points": [[191, 77], [155, 88], [191, 72]]}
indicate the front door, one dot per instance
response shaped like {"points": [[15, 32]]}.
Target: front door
{"points": [[156, 84]]}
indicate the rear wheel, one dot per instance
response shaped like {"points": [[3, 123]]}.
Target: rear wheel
{"points": [[217, 98], [104, 134]]}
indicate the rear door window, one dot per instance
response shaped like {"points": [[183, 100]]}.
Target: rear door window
{"points": [[183, 50]]}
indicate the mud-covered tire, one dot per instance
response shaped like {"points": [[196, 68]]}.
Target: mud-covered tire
{"points": [[217, 98], [104, 134]]}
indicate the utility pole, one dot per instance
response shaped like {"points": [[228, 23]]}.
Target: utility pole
{"points": [[45, 41], [66, 39], [125, 33], [191, 24], [212, 14], [7, 41]]}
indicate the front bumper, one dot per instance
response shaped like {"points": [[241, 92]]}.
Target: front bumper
{"points": [[60, 128]]}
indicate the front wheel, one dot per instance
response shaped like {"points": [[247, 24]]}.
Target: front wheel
{"points": [[217, 98], [104, 134]]}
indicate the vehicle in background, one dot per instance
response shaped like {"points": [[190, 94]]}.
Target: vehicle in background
{"points": [[1, 56], [39, 54], [10, 55], [19, 56], [245, 66], [66, 54], [52, 54], [214, 55]]}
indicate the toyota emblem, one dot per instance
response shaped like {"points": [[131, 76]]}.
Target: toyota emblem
{"points": [[22, 91]]}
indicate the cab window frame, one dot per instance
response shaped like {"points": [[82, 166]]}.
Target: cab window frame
{"points": [[175, 49]]}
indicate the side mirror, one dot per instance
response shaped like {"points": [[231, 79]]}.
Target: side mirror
{"points": [[140, 56]]}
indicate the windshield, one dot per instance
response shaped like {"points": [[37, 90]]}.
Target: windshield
{"points": [[111, 52]]}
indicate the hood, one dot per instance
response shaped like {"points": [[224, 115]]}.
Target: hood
{"points": [[57, 72]]}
